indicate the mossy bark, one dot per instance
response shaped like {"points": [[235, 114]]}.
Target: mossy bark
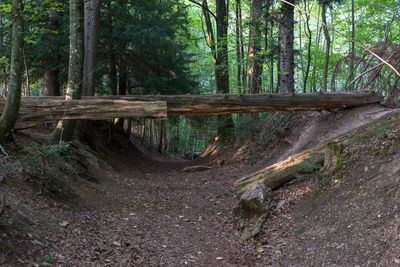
{"points": [[65, 129], [10, 113]]}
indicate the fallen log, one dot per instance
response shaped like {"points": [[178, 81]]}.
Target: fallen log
{"points": [[43, 109], [40, 110], [311, 160], [226, 104]]}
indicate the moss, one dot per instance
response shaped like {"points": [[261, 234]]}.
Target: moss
{"points": [[341, 162]]}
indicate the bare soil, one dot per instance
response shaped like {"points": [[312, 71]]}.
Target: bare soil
{"points": [[145, 211]]}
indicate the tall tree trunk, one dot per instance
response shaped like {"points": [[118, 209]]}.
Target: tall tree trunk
{"points": [[222, 47], [327, 46], [309, 43], [10, 113], [243, 65], [112, 58], [224, 122], [238, 53], [91, 30], [162, 136], [51, 84], [271, 58], [287, 54], [122, 82], [255, 59], [65, 129], [352, 45]]}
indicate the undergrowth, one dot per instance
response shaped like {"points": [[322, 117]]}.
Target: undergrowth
{"points": [[48, 165]]}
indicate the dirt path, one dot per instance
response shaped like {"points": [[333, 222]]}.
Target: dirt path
{"points": [[146, 213]]}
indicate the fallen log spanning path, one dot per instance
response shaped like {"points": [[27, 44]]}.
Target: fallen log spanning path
{"points": [[42, 109]]}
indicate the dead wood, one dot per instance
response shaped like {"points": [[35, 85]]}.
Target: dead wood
{"points": [[312, 159], [196, 168], [36, 110]]}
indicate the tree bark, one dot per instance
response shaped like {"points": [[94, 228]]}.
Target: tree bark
{"points": [[112, 58], [286, 53], [327, 46], [40, 109], [222, 47], [91, 30], [309, 43], [51, 85], [65, 129], [307, 161], [10, 113], [224, 123], [255, 59], [238, 52], [352, 44]]}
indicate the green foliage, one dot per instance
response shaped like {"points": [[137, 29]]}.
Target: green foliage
{"points": [[47, 163], [312, 164], [50, 259]]}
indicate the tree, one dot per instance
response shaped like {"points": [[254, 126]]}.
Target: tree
{"points": [[287, 53], [224, 122], [219, 52], [51, 83], [91, 35], [65, 129], [10, 113], [324, 6], [255, 57]]}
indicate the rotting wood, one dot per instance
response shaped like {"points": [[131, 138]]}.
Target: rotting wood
{"points": [[286, 170], [34, 111], [42, 109], [196, 168]]}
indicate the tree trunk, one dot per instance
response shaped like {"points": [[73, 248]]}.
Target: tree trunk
{"points": [[244, 69], [238, 53], [121, 88], [10, 113], [91, 30], [255, 59], [51, 85], [112, 58], [65, 129], [286, 53], [352, 45], [309, 43], [222, 48], [225, 122], [327, 46], [271, 59], [44, 109]]}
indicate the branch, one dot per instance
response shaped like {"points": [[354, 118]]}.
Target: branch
{"points": [[208, 10]]}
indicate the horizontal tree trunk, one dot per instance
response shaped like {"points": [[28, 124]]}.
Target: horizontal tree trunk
{"points": [[229, 104], [308, 161], [43, 109], [34, 111]]}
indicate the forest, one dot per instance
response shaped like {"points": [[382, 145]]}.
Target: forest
{"points": [[218, 104]]}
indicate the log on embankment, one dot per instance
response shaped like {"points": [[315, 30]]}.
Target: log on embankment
{"points": [[41, 110], [255, 103], [325, 155]]}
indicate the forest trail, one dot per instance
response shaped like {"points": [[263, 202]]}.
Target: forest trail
{"points": [[144, 211]]}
